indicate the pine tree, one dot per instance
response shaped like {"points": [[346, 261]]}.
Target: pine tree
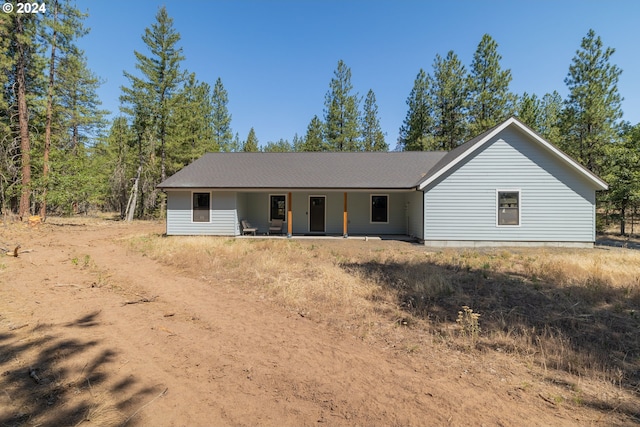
{"points": [[341, 112], [314, 140], [236, 144], [449, 99], [528, 110], [78, 100], [542, 115], [221, 117], [251, 144], [372, 135], [9, 169], [297, 142], [280, 146], [622, 165], [191, 125], [22, 120], [490, 101], [65, 26], [593, 107], [137, 105], [417, 128], [150, 101], [120, 163], [551, 115], [79, 121]]}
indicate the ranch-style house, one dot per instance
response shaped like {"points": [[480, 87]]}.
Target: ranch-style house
{"points": [[507, 186]]}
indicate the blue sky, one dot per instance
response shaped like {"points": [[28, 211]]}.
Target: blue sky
{"points": [[276, 58]]}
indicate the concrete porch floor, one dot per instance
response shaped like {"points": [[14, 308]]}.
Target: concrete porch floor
{"points": [[398, 237]]}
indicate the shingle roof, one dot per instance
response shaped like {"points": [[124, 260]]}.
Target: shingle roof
{"points": [[342, 170], [389, 170]]}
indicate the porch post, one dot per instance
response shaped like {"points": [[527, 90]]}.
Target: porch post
{"points": [[289, 217], [345, 217]]}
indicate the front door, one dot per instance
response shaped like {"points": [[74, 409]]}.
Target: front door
{"points": [[316, 214]]}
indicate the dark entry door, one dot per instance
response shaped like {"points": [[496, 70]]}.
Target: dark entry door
{"points": [[316, 214]]}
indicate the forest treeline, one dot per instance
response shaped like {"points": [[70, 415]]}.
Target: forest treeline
{"points": [[59, 154]]}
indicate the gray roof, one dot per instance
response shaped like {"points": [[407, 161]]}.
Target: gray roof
{"points": [[341, 170]]}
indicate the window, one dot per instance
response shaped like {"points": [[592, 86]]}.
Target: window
{"points": [[509, 207], [201, 203], [379, 208], [277, 207]]}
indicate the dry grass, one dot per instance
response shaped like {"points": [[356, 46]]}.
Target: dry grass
{"points": [[576, 312]]}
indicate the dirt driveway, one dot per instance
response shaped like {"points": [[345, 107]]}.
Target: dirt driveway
{"points": [[92, 333]]}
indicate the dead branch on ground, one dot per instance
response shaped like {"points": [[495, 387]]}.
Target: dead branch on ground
{"points": [[141, 300]]}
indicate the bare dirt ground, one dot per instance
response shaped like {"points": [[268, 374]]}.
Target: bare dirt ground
{"points": [[94, 333]]}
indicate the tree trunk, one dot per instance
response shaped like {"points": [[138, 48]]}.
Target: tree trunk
{"points": [[133, 199], [47, 129], [622, 220], [23, 120]]}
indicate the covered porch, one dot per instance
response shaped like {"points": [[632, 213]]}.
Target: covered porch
{"points": [[317, 213]]}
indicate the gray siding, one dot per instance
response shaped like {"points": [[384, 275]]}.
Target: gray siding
{"points": [[416, 214], [223, 214], [557, 204], [360, 214], [254, 206]]}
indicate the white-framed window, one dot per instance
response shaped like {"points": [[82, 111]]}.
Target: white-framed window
{"points": [[201, 207], [379, 208], [277, 207], [508, 208]]}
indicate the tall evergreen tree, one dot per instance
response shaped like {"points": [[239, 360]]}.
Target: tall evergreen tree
{"points": [[79, 120], [150, 101], [372, 135], [341, 112], [297, 142], [251, 144], [121, 163], [490, 101], [622, 166], [449, 99], [314, 140], [551, 115], [542, 115], [528, 110], [9, 145], [417, 128], [192, 125], [221, 118], [280, 146], [593, 108], [236, 144], [78, 100], [23, 68], [65, 26]]}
